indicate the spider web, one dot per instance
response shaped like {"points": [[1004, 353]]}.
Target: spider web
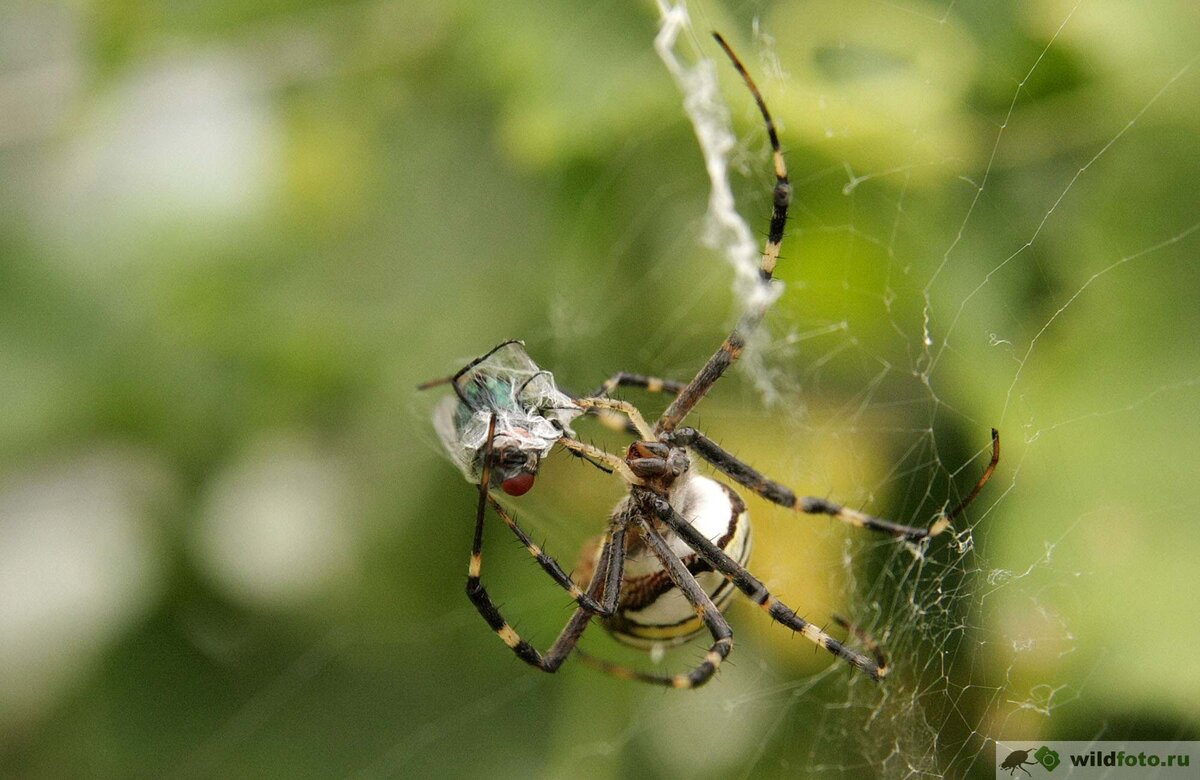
{"points": [[976, 631]]}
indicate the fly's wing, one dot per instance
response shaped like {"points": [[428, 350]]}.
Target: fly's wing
{"points": [[463, 437], [541, 397], [531, 412]]}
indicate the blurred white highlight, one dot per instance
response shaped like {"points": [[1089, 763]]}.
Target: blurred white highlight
{"points": [[185, 140], [79, 562], [275, 529]]}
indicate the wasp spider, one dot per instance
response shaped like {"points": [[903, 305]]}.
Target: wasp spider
{"points": [[676, 547]]}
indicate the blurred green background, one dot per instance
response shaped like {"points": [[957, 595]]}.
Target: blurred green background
{"points": [[234, 237]]}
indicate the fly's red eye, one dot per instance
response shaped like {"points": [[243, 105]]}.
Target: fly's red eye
{"points": [[518, 485]]}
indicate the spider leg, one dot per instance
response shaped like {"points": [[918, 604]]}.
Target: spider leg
{"points": [[589, 461], [551, 566], [750, 585], [783, 190], [866, 639], [983, 479], [608, 459], [622, 408], [717, 625], [748, 477], [732, 347], [650, 384], [606, 579]]}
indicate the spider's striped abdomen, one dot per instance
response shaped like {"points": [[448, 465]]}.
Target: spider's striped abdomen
{"points": [[651, 610]]}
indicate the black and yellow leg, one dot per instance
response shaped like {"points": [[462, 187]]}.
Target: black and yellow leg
{"points": [[552, 567], [722, 634], [610, 461], [782, 196], [865, 639], [650, 384], [605, 581], [732, 347], [621, 411], [758, 593], [604, 587], [725, 356], [773, 491]]}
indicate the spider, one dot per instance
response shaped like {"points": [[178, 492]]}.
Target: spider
{"points": [[676, 546]]}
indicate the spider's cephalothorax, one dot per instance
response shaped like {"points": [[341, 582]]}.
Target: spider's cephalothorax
{"points": [[676, 547], [657, 464]]}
